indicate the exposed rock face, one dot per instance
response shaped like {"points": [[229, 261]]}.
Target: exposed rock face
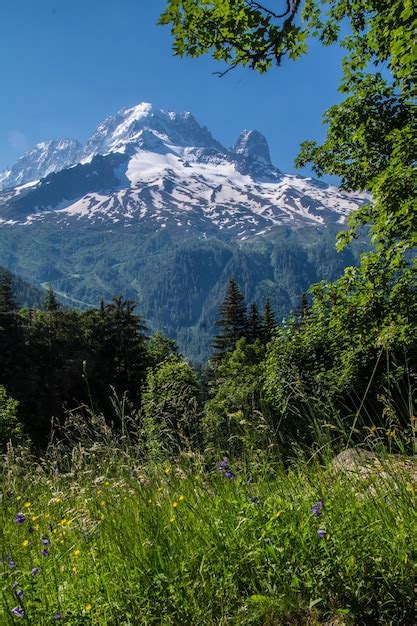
{"points": [[252, 144], [43, 159]]}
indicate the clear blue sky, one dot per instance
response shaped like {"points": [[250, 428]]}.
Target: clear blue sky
{"points": [[67, 64]]}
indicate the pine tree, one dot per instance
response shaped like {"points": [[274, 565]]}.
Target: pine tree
{"points": [[7, 298], [51, 303], [11, 338], [232, 323], [118, 354], [254, 323], [268, 323]]}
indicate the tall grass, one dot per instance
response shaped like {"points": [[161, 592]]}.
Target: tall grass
{"points": [[184, 542]]}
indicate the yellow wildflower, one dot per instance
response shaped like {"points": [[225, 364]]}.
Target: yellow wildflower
{"points": [[167, 471], [25, 543], [88, 607], [174, 505], [18, 498], [27, 505], [181, 498], [76, 553]]}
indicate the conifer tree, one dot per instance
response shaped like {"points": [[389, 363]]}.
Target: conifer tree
{"points": [[254, 323], [233, 321], [269, 323], [7, 298], [11, 338], [51, 303]]}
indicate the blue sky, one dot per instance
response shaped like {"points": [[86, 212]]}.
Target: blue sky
{"points": [[67, 64]]}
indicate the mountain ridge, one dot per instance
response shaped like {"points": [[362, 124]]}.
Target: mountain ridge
{"points": [[151, 169]]}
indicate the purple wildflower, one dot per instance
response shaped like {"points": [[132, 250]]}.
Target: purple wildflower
{"points": [[20, 518], [18, 611], [223, 465], [57, 615], [45, 541], [19, 593], [229, 474], [45, 552], [12, 564], [316, 509], [35, 571], [321, 533]]}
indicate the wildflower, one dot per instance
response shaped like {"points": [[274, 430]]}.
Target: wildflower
{"points": [[31, 530], [88, 607], [45, 552], [76, 553], [25, 543], [321, 533], [316, 509], [229, 474], [18, 611], [35, 571], [45, 541], [27, 505], [57, 615], [20, 518], [223, 465], [18, 498], [181, 498], [12, 564], [167, 471], [19, 593], [174, 505]]}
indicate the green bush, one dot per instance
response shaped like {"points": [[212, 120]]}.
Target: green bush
{"points": [[10, 428]]}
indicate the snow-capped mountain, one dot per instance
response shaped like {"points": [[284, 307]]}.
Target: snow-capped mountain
{"points": [[41, 160], [153, 170]]}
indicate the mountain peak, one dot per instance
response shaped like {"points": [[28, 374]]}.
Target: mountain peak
{"points": [[251, 143], [128, 125], [44, 158]]}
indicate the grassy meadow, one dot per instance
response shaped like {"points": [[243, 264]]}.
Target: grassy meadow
{"points": [[92, 535]]}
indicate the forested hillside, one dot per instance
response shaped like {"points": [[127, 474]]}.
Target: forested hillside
{"points": [[25, 293], [178, 283]]}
